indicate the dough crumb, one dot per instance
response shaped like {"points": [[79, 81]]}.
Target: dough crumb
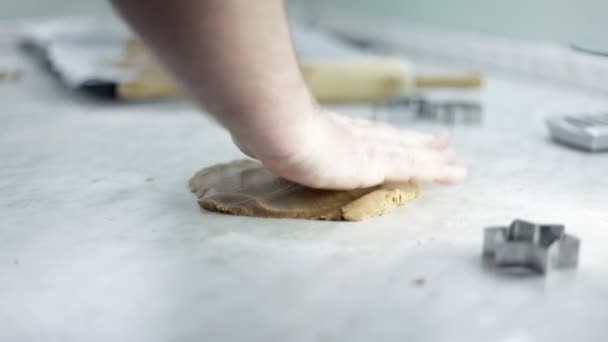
{"points": [[419, 281]]}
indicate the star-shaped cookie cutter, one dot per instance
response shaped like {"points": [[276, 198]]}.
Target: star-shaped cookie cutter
{"points": [[539, 247]]}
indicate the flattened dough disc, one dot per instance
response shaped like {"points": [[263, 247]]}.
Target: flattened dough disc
{"points": [[245, 187]]}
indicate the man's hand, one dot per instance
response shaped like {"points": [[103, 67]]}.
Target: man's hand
{"points": [[337, 152], [237, 60]]}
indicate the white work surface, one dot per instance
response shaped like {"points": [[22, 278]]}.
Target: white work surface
{"points": [[100, 240]]}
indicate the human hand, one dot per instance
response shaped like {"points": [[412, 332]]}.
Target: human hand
{"points": [[332, 151], [248, 78]]}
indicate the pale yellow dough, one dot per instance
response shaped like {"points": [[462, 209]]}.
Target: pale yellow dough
{"points": [[245, 187]]}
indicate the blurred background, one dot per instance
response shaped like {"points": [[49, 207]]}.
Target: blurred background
{"points": [[564, 21], [96, 218]]}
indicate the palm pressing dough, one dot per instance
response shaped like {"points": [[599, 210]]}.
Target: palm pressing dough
{"points": [[245, 187]]}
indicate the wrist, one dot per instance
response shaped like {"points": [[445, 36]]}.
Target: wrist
{"points": [[284, 138]]}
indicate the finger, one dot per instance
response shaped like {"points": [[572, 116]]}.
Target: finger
{"points": [[421, 164], [419, 154], [409, 164], [354, 121], [452, 175], [406, 138], [363, 127], [366, 129]]}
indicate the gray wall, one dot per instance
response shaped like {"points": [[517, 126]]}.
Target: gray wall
{"points": [[565, 21], [557, 20], [16, 9]]}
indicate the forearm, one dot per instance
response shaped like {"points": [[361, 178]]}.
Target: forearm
{"points": [[237, 59], [234, 56]]}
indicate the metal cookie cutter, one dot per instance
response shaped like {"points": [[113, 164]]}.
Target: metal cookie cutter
{"points": [[539, 247], [445, 111]]}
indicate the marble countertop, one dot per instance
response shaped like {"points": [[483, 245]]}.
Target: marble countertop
{"points": [[100, 239]]}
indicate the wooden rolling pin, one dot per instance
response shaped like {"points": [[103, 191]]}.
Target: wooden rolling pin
{"points": [[376, 79]]}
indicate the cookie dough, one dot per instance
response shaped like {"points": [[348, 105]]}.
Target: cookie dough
{"points": [[245, 187]]}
